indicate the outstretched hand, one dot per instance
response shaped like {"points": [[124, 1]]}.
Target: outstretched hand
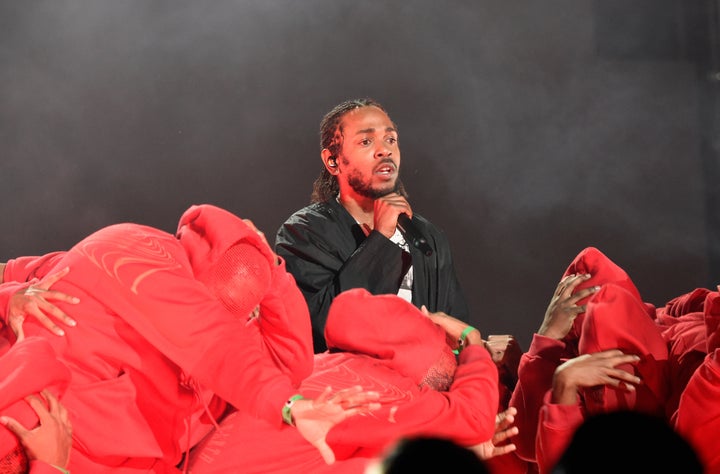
{"points": [[37, 300], [51, 441], [504, 430], [563, 307], [315, 418], [589, 370]]}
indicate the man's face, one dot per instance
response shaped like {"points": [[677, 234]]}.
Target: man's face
{"points": [[369, 159]]}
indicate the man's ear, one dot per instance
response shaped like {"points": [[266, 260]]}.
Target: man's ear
{"points": [[329, 160]]}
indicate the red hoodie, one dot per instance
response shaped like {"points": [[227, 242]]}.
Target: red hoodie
{"points": [[382, 343], [152, 344]]}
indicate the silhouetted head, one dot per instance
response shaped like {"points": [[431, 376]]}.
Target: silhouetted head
{"points": [[627, 442], [431, 454]]}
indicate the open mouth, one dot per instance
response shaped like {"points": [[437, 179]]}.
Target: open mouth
{"points": [[385, 169]]}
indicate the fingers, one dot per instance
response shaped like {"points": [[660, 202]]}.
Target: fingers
{"points": [[326, 452], [599, 368], [325, 395], [363, 409], [56, 409], [505, 434], [623, 379], [44, 320], [582, 294], [354, 397], [505, 418], [16, 324], [56, 312], [504, 449], [39, 407], [59, 296], [569, 282], [50, 280], [16, 428]]}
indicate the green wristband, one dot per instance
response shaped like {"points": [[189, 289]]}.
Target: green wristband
{"points": [[286, 413], [463, 337], [64, 471]]}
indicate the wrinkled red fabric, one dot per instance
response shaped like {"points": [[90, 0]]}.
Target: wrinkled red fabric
{"points": [[538, 363], [359, 322], [29, 366], [615, 319], [602, 270], [387, 328], [152, 344], [698, 414]]}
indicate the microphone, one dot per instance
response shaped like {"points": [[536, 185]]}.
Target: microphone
{"points": [[412, 234]]}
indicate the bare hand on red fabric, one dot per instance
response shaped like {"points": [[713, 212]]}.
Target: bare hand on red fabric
{"points": [[504, 430], [453, 328], [563, 307], [37, 300], [590, 370], [51, 441], [315, 418]]}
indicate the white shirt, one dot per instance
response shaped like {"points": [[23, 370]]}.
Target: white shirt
{"points": [[405, 291]]}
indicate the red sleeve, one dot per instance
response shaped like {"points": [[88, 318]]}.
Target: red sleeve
{"points": [[19, 271], [6, 291], [30, 366], [285, 325], [220, 351], [465, 414], [156, 293], [556, 426], [535, 374], [698, 414], [26, 268]]}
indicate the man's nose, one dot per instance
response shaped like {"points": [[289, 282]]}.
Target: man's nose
{"points": [[383, 150]]}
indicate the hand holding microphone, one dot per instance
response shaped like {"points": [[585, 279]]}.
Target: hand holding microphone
{"points": [[413, 235], [392, 211]]}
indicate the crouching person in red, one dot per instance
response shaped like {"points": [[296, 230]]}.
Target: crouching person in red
{"points": [[172, 330]]}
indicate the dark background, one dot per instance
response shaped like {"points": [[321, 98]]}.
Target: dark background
{"points": [[529, 130]]}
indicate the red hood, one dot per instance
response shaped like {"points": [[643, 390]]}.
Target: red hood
{"points": [[388, 327], [207, 232]]}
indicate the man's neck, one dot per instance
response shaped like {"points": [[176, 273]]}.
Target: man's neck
{"points": [[362, 209]]}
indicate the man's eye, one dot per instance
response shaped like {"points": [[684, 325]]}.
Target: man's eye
{"points": [[392, 140], [365, 142]]}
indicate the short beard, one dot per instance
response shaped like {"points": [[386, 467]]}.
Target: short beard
{"points": [[365, 190]]}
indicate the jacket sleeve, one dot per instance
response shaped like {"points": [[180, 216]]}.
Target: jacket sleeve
{"points": [[436, 284], [465, 413]]}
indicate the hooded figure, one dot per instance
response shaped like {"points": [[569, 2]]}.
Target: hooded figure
{"points": [[385, 344], [165, 336], [545, 354]]}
